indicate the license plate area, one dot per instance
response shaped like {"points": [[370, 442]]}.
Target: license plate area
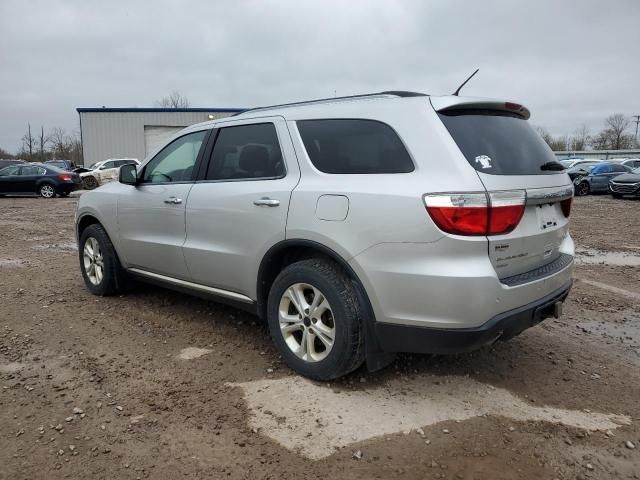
{"points": [[547, 217]]}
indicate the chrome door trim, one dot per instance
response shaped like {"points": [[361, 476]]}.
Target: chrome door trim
{"points": [[195, 286]]}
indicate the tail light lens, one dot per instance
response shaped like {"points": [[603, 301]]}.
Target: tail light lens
{"points": [[566, 206], [65, 176], [505, 211], [475, 214], [460, 214]]}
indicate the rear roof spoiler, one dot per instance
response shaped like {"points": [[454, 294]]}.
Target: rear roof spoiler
{"points": [[451, 103]]}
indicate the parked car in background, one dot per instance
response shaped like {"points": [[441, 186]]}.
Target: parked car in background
{"points": [[66, 165], [574, 162], [103, 172], [7, 162], [581, 169], [595, 179], [38, 179], [394, 222], [629, 162], [626, 184]]}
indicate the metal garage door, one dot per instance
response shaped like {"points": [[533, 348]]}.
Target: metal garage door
{"points": [[156, 136]]}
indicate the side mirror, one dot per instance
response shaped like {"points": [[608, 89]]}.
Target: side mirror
{"points": [[128, 175]]}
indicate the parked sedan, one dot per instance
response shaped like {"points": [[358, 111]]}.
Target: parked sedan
{"points": [[581, 170], [37, 179], [574, 162], [66, 165], [595, 178], [6, 163], [626, 184], [629, 162]]}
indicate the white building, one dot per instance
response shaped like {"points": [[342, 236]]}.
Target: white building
{"points": [[136, 132]]}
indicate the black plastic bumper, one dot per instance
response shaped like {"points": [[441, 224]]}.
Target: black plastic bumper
{"points": [[404, 338]]}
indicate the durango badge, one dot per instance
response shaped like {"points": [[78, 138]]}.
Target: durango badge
{"points": [[484, 161]]}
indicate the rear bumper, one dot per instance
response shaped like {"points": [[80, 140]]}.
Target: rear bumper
{"points": [[68, 187], [414, 339]]}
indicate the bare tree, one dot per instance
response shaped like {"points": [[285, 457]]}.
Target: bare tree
{"points": [[617, 125], [60, 143], [557, 144], [174, 100], [28, 143], [614, 136], [43, 140], [580, 139], [5, 155]]}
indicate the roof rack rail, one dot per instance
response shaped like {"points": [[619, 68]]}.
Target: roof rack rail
{"points": [[397, 93]]}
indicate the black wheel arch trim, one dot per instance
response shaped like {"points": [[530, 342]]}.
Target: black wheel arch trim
{"points": [[376, 358]]}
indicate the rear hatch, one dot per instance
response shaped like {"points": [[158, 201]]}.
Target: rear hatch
{"points": [[509, 156]]}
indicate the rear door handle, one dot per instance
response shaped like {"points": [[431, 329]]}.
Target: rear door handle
{"points": [[266, 202], [173, 201]]}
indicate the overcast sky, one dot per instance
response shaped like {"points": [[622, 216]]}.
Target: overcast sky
{"points": [[570, 62]]}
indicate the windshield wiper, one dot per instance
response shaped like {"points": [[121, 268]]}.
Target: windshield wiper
{"points": [[552, 166]]}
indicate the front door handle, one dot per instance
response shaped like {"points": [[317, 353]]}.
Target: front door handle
{"points": [[266, 202], [173, 201]]}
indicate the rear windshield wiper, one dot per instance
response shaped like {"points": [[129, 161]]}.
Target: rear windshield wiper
{"points": [[552, 166]]}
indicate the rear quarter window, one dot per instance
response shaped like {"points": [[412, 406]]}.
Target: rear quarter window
{"points": [[498, 143], [351, 146]]}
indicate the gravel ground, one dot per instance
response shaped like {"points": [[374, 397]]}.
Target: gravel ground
{"points": [[156, 384]]}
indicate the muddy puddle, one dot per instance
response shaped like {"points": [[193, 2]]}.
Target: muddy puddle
{"points": [[589, 256], [314, 420], [11, 263], [59, 247]]}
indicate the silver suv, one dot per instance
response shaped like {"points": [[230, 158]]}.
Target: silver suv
{"points": [[357, 227]]}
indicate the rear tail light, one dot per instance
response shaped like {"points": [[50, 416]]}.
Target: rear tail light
{"points": [[505, 211], [65, 176], [476, 214], [566, 206]]}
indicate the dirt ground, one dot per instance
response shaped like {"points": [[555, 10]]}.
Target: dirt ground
{"points": [[104, 388]]}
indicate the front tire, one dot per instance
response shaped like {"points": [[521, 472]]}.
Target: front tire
{"points": [[316, 320], [46, 190], [103, 275], [582, 189], [90, 183]]}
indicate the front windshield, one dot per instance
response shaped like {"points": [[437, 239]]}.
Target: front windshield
{"points": [[93, 166], [566, 163]]}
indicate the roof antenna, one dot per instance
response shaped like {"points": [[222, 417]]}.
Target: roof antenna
{"points": [[455, 94]]}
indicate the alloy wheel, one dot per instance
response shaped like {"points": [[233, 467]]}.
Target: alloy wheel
{"points": [[583, 189], [47, 191], [306, 322], [93, 262]]}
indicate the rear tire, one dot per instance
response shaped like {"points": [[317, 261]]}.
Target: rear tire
{"points": [[46, 190], [582, 189], [103, 275], [316, 320]]}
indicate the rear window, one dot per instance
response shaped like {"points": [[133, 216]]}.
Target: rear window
{"points": [[498, 143], [354, 146]]}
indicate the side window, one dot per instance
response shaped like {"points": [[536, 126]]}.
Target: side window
{"points": [[175, 162], [246, 151], [110, 164], [31, 170], [618, 168], [9, 171], [354, 146]]}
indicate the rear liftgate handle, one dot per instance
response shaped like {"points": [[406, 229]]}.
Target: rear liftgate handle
{"points": [[266, 202]]}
